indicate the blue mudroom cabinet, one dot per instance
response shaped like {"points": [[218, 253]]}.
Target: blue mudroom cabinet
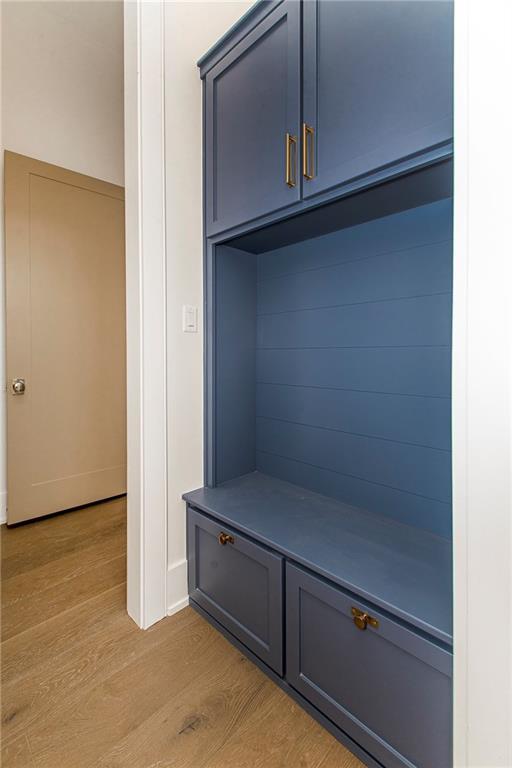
{"points": [[373, 78], [320, 543]]}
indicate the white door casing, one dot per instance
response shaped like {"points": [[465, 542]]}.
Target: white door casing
{"points": [[146, 311]]}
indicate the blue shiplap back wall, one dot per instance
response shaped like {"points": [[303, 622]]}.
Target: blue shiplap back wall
{"points": [[353, 365]]}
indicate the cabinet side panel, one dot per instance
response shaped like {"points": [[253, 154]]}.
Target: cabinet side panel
{"points": [[235, 369]]}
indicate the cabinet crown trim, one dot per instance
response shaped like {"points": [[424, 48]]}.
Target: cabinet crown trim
{"points": [[251, 18]]}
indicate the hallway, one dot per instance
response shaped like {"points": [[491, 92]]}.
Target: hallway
{"points": [[83, 687]]}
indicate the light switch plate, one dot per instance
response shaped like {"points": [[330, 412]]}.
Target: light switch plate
{"points": [[189, 318]]}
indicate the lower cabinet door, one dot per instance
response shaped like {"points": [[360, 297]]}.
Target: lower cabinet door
{"points": [[239, 583], [388, 688]]}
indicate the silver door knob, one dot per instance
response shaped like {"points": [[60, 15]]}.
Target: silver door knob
{"points": [[18, 386]]}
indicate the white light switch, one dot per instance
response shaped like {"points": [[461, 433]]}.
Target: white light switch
{"points": [[189, 318]]}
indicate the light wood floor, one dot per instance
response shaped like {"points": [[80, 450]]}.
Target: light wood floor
{"points": [[83, 687]]}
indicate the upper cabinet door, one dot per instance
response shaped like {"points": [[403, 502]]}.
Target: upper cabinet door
{"points": [[377, 85], [252, 123]]}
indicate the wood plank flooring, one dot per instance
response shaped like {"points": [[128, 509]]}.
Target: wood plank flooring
{"points": [[83, 687]]}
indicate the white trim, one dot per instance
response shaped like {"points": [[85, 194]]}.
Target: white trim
{"points": [[3, 373], [3, 507], [459, 391], [179, 606], [482, 401], [146, 311], [177, 591]]}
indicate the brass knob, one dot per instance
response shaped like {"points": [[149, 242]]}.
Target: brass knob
{"points": [[361, 621], [225, 538]]}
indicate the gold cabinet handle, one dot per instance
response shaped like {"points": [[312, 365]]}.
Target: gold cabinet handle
{"points": [[290, 177], [308, 151], [362, 619], [225, 538]]}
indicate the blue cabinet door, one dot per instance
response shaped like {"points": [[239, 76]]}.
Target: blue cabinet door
{"points": [[252, 103], [377, 85], [388, 688], [239, 583]]}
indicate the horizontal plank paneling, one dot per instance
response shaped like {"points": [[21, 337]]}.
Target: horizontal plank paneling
{"points": [[404, 507], [412, 272], [419, 321], [417, 420], [406, 370], [408, 229], [354, 364], [423, 471]]}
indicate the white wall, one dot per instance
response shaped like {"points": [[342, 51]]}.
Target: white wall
{"points": [[61, 102], [482, 386], [190, 29], [62, 74]]}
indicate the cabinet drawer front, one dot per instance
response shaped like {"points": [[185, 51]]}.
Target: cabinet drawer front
{"points": [[386, 687], [238, 583]]}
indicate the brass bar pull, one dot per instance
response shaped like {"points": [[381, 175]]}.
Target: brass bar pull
{"points": [[225, 538], [308, 151], [362, 619], [291, 141]]}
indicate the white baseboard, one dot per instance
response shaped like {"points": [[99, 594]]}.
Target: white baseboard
{"points": [[172, 609], [3, 507], [177, 588]]}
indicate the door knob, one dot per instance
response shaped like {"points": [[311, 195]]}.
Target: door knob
{"points": [[18, 386]]}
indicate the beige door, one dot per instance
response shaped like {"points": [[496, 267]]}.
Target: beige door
{"points": [[65, 291]]}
